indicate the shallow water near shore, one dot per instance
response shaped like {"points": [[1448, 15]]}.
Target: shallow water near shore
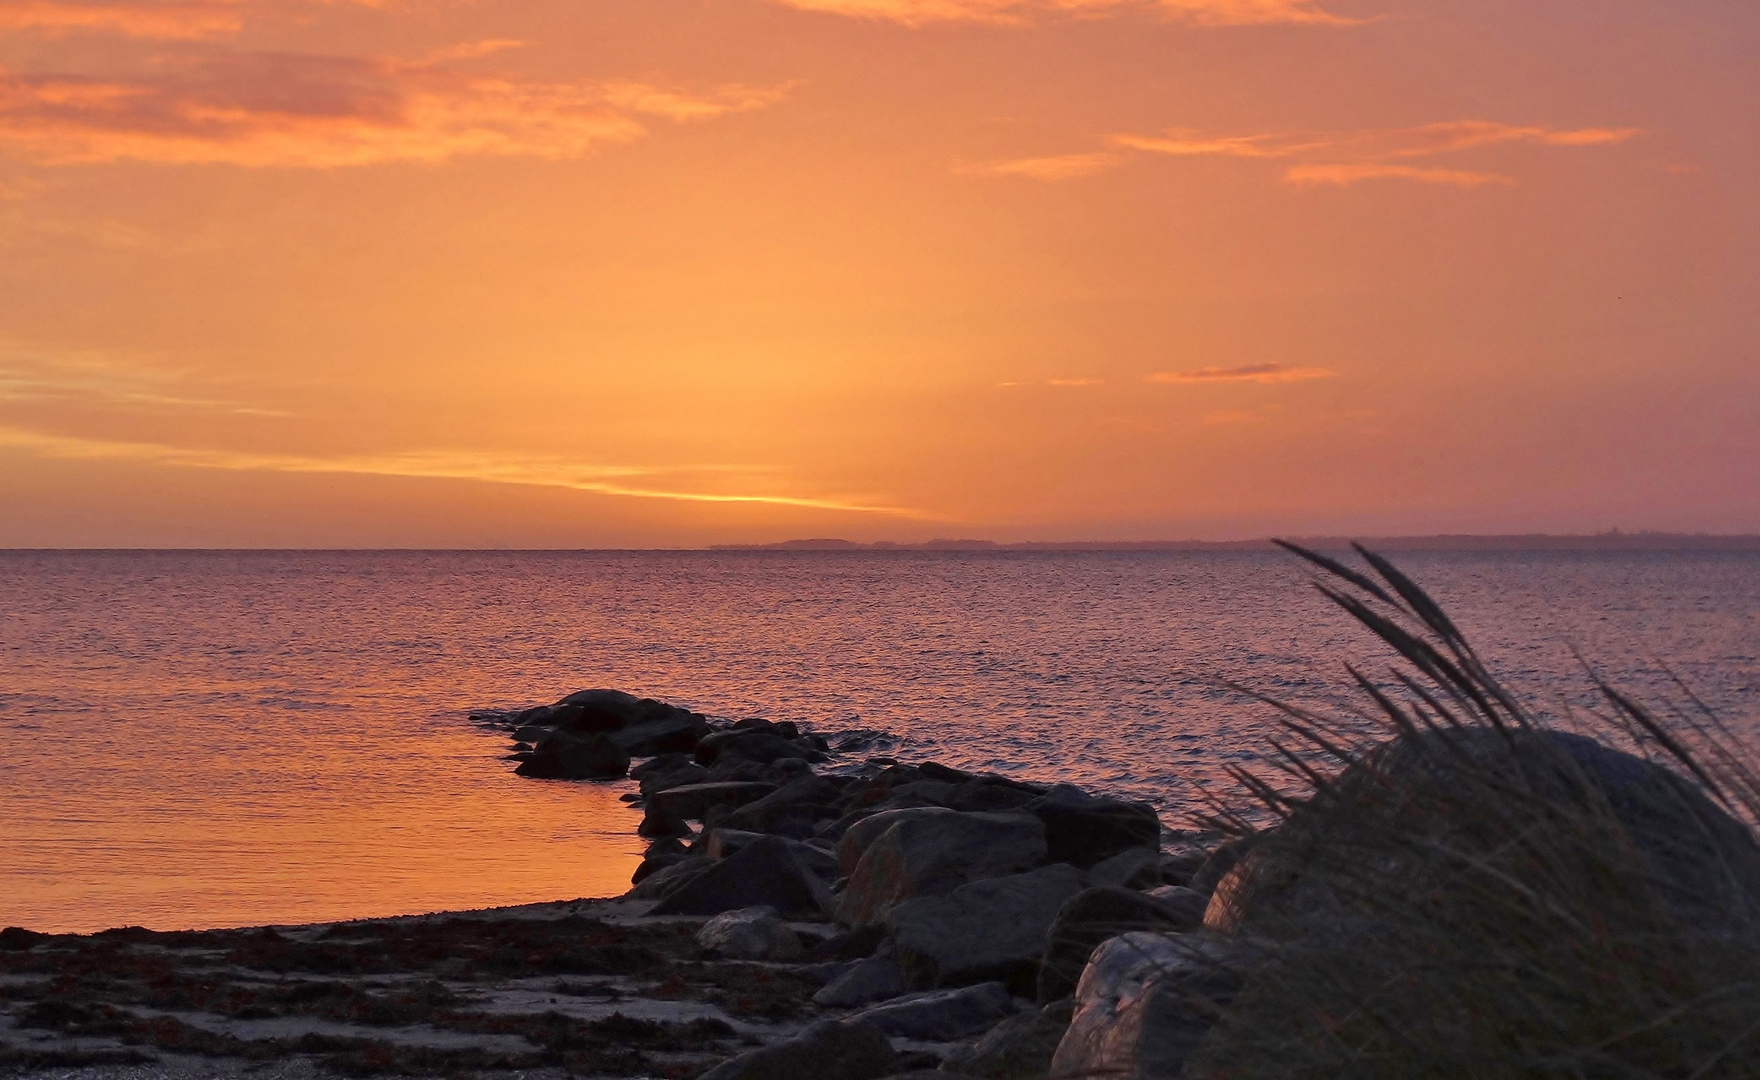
{"points": [[226, 738]]}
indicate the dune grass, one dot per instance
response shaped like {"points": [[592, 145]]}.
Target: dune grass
{"points": [[1451, 886]]}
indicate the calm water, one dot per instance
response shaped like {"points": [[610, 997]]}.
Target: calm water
{"points": [[210, 739]]}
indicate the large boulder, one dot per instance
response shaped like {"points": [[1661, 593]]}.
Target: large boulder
{"points": [[1094, 915], [863, 830], [942, 1015], [719, 843], [567, 757], [1019, 1048], [831, 1048], [922, 856], [751, 934], [990, 929], [1642, 835], [762, 747], [764, 873], [1144, 1005], [1083, 829]]}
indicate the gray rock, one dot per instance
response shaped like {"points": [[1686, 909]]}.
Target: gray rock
{"points": [[653, 864], [1190, 903], [762, 747], [942, 1015], [763, 873], [829, 1049], [656, 884], [567, 757], [679, 731], [874, 979], [1144, 1004], [753, 933], [991, 929], [931, 855], [1096, 914], [790, 810], [1136, 868], [695, 800], [1019, 1048], [863, 827], [1082, 830], [719, 843]]}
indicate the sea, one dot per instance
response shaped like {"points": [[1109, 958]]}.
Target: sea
{"points": [[206, 739]]}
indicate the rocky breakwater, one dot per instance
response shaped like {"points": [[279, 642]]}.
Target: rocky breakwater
{"points": [[945, 918]]}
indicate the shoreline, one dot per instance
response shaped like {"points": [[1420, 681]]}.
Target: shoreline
{"points": [[753, 819]]}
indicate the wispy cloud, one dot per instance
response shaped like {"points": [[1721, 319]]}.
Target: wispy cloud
{"points": [[95, 379], [296, 110], [1250, 373], [1331, 157], [185, 20], [1060, 167], [637, 482], [1341, 175], [1020, 12]]}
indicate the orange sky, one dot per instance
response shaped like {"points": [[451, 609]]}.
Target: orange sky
{"points": [[672, 272]]}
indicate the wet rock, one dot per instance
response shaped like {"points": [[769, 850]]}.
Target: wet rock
{"points": [[942, 1015], [653, 864], [828, 1049], [761, 747], [924, 855], [990, 929], [695, 800], [1144, 1004], [1019, 1048], [567, 757], [1082, 829], [1096, 914], [763, 873], [989, 795], [875, 979], [751, 934]]}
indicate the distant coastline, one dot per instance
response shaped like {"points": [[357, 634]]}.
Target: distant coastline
{"points": [[1607, 541]]}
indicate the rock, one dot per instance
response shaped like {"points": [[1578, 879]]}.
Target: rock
{"points": [[1137, 868], [659, 883], [826, 1050], [695, 800], [719, 843], [753, 933], [989, 794], [990, 929], [1096, 914], [1189, 903], [762, 873], [874, 979], [1019, 1048], [653, 864], [679, 731], [1082, 830], [857, 943], [661, 763], [1216, 865], [942, 1015], [566, 757], [1144, 1004], [790, 810], [932, 854], [1697, 863], [756, 746]]}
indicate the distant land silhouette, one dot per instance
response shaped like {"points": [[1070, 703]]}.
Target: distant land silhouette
{"points": [[1608, 541]]}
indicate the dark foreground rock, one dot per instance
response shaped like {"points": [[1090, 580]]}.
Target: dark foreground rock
{"points": [[942, 1015], [990, 929], [1144, 1005], [1019, 1048], [924, 856], [1094, 915], [564, 756]]}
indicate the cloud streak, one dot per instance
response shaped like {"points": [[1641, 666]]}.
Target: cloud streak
{"points": [[637, 482], [1324, 157], [916, 13], [1248, 373], [305, 111], [190, 20]]}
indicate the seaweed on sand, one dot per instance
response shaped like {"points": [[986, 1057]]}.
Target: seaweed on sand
{"points": [[1451, 886]]}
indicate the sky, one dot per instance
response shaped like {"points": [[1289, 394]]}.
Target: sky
{"points": [[609, 273]]}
